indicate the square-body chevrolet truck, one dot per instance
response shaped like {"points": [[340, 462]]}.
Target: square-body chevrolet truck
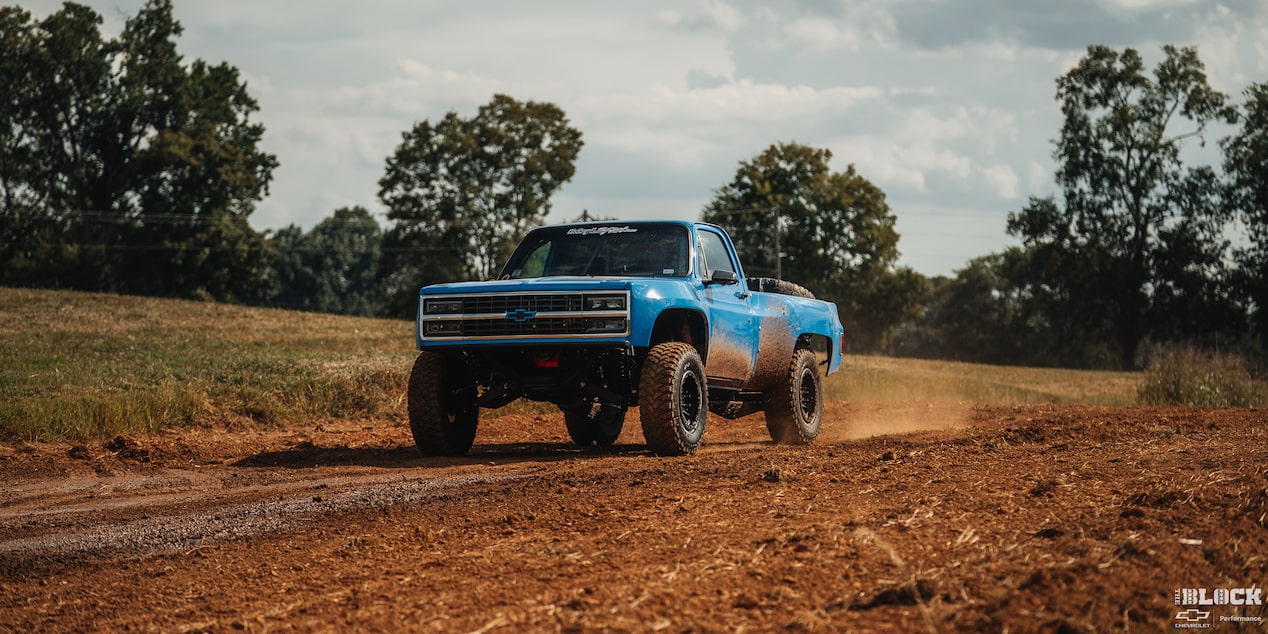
{"points": [[603, 316]]}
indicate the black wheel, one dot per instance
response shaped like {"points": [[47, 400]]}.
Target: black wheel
{"points": [[794, 408], [442, 405], [782, 287], [673, 399], [599, 424]]}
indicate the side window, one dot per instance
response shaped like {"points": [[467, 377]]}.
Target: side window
{"points": [[535, 263], [716, 256]]}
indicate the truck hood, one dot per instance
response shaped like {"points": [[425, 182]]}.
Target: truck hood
{"points": [[528, 285]]}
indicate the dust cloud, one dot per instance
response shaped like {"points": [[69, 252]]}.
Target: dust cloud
{"points": [[855, 421]]}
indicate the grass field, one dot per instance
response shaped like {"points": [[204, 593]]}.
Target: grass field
{"points": [[887, 379], [81, 366]]}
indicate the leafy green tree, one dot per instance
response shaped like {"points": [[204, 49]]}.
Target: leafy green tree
{"points": [[121, 167], [970, 317], [836, 236], [463, 192], [989, 313], [1195, 295], [333, 268], [1132, 215], [54, 73], [1246, 163]]}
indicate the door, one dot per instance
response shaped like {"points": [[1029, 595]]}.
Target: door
{"points": [[733, 335]]}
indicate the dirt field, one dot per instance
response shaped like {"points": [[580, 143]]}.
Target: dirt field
{"points": [[902, 518]]}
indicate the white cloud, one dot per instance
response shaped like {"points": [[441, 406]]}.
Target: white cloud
{"points": [[919, 148], [687, 126], [910, 166], [1139, 5], [723, 15], [1003, 179], [1039, 182], [821, 35], [710, 14], [417, 91], [985, 128], [947, 106], [739, 102], [854, 27], [1225, 49], [931, 158], [1261, 46], [881, 162]]}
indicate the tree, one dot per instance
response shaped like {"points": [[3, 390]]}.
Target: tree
{"points": [[1132, 215], [463, 192], [835, 230], [1246, 163], [122, 168], [973, 316], [333, 268]]}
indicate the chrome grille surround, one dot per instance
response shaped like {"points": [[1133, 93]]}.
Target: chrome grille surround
{"points": [[525, 315]]}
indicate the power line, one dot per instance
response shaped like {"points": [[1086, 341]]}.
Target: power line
{"points": [[217, 249], [736, 212], [208, 219], [142, 219]]}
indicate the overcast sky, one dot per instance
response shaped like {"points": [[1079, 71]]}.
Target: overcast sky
{"points": [[947, 105]]}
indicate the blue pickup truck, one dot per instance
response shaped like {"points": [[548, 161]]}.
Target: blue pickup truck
{"points": [[599, 317]]}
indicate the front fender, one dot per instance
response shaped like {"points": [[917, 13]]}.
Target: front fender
{"points": [[652, 297]]}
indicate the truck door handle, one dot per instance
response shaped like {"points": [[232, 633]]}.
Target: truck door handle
{"points": [[741, 294]]}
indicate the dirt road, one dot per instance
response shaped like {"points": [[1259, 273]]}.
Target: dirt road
{"points": [[1050, 518]]}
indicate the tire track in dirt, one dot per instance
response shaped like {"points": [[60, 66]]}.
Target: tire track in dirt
{"points": [[163, 529], [1034, 518]]}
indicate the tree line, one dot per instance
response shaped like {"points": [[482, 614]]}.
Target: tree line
{"points": [[1140, 248], [124, 168]]}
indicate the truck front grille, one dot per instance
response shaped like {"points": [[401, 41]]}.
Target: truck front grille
{"points": [[524, 315], [538, 303]]}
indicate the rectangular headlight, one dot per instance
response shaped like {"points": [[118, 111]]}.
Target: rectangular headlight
{"points": [[605, 325], [442, 306], [442, 328], [605, 302]]}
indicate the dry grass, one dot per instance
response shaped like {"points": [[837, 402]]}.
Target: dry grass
{"points": [[885, 379], [82, 366], [1189, 376]]}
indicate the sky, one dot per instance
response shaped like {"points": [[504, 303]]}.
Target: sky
{"points": [[947, 105]]}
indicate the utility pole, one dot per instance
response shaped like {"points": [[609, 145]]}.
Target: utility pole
{"points": [[779, 254]]}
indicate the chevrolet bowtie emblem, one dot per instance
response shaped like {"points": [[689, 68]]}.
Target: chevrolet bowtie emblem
{"points": [[520, 315]]}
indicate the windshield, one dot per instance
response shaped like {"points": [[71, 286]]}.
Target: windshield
{"points": [[635, 249]]}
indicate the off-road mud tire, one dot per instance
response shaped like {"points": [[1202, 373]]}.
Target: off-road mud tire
{"points": [[600, 425], [781, 287], [442, 405], [673, 399], [794, 407]]}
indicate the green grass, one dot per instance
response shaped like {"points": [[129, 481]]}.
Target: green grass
{"points": [[77, 366]]}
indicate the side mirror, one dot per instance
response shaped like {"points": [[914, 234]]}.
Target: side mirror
{"points": [[724, 277]]}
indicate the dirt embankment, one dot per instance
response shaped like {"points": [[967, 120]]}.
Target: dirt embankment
{"points": [[971, 519]]}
